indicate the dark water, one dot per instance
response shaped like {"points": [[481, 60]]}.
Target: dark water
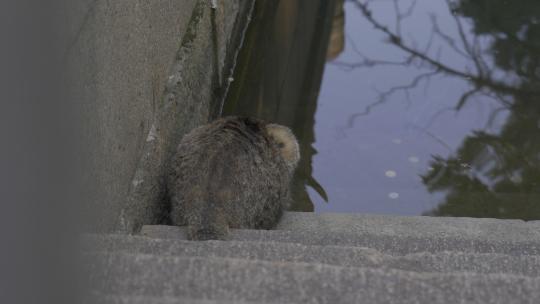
{"points": [[431, 107]]}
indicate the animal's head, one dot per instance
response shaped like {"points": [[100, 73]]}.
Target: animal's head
{"points": [[286, 143]]}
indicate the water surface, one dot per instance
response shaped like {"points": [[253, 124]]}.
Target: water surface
{"points": [[430, 107]]}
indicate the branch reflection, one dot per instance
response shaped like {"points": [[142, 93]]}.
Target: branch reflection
{"points": [[491, 174]]}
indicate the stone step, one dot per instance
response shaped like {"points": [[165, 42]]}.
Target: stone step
{"points": [[412, 226], [330, 255], [399, 244], [97, 298], [260, 281]]}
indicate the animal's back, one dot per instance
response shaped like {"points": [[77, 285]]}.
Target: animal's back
{"points": [[228, 174]]}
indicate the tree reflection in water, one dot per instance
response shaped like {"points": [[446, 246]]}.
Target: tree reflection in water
{"points": [[491, 174], [278, 81]]}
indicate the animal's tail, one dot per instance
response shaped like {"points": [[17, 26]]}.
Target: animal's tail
{"points": [[210, 224]]}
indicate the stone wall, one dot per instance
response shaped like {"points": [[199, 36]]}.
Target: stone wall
{"points": [[145, 73]]}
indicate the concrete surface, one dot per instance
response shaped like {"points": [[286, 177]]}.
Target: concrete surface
{"points": [[282, 282], [347, 259], [144, 73], [126, 299], [411, 226], [413, 241], [122, 52], [444, 262]]}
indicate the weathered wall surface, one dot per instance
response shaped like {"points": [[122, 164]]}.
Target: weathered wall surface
{"points": [[145, 73]]}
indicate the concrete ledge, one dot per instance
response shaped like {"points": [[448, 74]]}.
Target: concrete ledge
{"points": [[128, 299], [386, 226], [242, 280], [413, 226], [389, 234], [444, 262]]}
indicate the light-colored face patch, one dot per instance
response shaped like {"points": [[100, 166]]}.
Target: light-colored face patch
{"points": [[287, 143]]}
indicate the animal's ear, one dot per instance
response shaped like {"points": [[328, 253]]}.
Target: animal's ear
{"points": [[286, 142]]}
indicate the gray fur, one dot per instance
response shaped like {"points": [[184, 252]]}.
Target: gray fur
{"points": [[232, 173]]}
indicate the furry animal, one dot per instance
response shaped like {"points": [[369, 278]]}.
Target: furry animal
{"points": [[232, 173]]}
